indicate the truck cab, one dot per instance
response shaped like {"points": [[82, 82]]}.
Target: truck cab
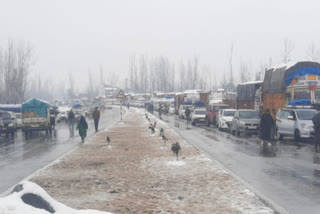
{"points": [[212, 111], [6, 124]]}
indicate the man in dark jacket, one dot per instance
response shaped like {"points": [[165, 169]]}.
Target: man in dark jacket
{"points": [[96, 117], [187, 113], [71, 120], [266, 124]]}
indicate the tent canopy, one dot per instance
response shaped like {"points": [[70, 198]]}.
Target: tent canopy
{"points": [[37, 106], [277, 79]]}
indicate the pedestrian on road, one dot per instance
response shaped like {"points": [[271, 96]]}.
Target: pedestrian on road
{"points": [[71, 120], [187, 112], [96, 117], [82, 127], [266, 124]]}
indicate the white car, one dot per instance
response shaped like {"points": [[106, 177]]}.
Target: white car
{"points": [[171, 110], [198, 115], [295, 122], [225, 118]]}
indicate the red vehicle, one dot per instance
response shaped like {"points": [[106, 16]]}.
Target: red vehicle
{"points": [[212, 111]]}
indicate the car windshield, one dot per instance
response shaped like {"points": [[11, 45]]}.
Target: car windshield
{"points": [[306, 115], [228, 113], [220, 107], [248, 114], [200, 112]]}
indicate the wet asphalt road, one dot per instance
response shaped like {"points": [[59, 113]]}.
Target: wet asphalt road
{"points": [[289, 175], [20, 157]]}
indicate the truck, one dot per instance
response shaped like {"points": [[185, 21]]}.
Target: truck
{"points": [[36, 116], [6, 124]]}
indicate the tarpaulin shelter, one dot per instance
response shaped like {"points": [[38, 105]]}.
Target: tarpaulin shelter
{"points": [[37, 106], [277, 79], [246, 91], [11, 107], [302, 102]]}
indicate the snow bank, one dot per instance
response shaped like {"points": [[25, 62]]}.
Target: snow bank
{"points": [[14, 204]]}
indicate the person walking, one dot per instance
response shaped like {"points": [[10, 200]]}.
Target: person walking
{"points": [[266, 124], [187, 112], [82, 127], [96, 117], [71, 120]]}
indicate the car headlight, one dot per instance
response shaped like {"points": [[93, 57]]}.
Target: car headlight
{"points": [[242, 123], [305, 126], [10, 125], [223, 120]]}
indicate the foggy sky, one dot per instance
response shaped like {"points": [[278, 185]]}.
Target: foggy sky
{"points": [[77, 35]]}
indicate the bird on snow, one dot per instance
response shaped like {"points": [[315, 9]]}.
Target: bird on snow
{"points": [[152, 128], [161, 132], [108, 140], [176, 149]]}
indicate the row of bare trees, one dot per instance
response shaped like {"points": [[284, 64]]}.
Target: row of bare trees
{"points": [[15, 62], [160, 74]]}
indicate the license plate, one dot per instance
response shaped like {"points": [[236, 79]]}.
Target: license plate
{"points": [[252, 127], [201, 119]]}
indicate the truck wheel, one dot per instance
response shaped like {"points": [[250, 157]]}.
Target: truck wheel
{"points": [[297, 136], [238, 132], [12, 134]]}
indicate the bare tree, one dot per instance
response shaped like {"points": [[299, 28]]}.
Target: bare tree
{"points": [[313, 52], [231, 63], [287, 50], [133, 72], [71, 85], [182, 76], [244, 72], [16, 68]]}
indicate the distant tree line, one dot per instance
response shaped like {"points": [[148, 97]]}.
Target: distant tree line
{"points": [[161, 74], [149, 74]]}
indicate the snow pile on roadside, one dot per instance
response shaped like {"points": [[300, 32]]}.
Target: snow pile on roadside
{"points": [[14, 204]]}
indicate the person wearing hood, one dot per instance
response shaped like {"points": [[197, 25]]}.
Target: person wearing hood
{"points": [[82, 127], [266, 124]]}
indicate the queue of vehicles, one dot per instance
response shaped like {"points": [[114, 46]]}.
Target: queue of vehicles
{"points": [[292, 121]]}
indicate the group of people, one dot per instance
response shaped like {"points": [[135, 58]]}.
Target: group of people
{"points": [[82, 125]]}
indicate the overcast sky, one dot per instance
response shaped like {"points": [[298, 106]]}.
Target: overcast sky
{"points": [[77, 35]]}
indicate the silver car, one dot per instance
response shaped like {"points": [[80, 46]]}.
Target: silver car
{"points": [[295, 122], [245, 121]]}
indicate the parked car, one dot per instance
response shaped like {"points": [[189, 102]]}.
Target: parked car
{"points": [[212, 111], [295, 122], [225, 118], [198, 115], [245, 121], [6, 124]]}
